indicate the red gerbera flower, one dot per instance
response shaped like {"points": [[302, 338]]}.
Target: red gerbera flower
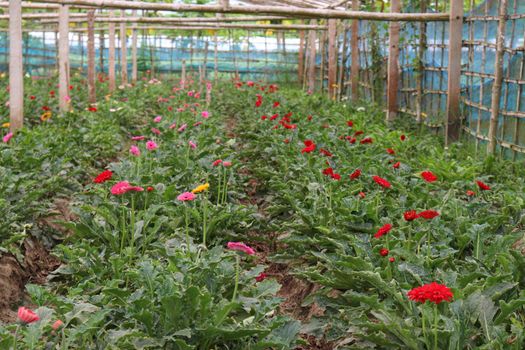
{"points": [[309, 146], [330, 172], [350, 123], [325, 152], [276, 104], [428, 176], [352, 140], [471, 193], [383, 230], [359, 132], [483, 186], [362, 195], [390, 151], [261, 277], [383, 252], [428, 214], [382, 182], [309, 118], [355, 174], [396, 165], [103, 177], [275, 116], [263, 117], [410, 215], [392, 259], [403, 137], [433, 292], [367, 140]]}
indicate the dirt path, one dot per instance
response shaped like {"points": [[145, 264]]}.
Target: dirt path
{"points": [[293, 290]]}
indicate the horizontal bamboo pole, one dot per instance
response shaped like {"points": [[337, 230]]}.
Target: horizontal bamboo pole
{"points": [[199, 26], [255, 9], [82, 17]]}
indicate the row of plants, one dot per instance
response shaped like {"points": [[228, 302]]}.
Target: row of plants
{"points": [[413, 245], [156, 258]]}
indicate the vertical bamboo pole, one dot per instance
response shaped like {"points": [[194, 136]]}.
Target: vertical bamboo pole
{"points": [[16, 71], [91, 56], [454, 71], [183, 74], [101, 50], [322, 46], [111, 49], [300, 65], [63, 57], [393, 65], [123, 51], [355, 53], [420, 67], [344, 59], [205, 64], [332, 58], [81, 44], [498, 68], [134, 39], [216, 58], [312, 54]]}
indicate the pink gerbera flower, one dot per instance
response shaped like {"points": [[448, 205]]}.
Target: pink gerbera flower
{"points": [[239, 246], [186, 196], [151, 145], [124, 187]]}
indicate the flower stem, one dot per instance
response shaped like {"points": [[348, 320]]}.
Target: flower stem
{"points": [[204, 218], [237, 268], [219, 189], [187, 231], [436, 320]]}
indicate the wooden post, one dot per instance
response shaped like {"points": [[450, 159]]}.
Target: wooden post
{"points": [[111, 49], [63, 58], [355, 54], [101, 50], [332, 58], [498, 68], [300, 65], [16, 71], [123, 52], [452, 127], [311, 68], [216, 58], [134, 39], [205, 64], [393, 65], [183, 74], [420, 77], [91, 57]]}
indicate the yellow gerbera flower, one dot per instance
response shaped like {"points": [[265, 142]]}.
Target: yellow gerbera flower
{"points": [[46, 116], [200, 188], [6, 125]]}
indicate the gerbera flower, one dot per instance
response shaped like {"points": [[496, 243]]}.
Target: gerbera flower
{"points": [[383, 230], [410, 215], [433, 292], [123, 187], [428, 176], [201, 188], [186, 196], [428, 214], [382, 182], [483, 186], [27, 315], [103, 177], [239, 246], [309, 146], [355, 174]]}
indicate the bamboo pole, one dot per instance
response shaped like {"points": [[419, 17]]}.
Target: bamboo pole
{"points": [[63, 58], [255, 9], [393, 65], [498, 68], [123, 52], [312, 54], [134, 64], [91, 57], [16, 71], [420, 65], [216, 58], [454, 71], [111, 58], [300, 65], [332, 58], [355, 54], [101, 50], [211, 26]]}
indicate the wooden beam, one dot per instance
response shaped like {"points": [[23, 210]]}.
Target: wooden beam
{"points": [[354, 42], [196, 26], [111, 54], [393, 64], [496, 87], [312, 58], [254, 9], [452, 127], [16, 71], [332, 58], [63, 58], [91, 57], [420, 64]]}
